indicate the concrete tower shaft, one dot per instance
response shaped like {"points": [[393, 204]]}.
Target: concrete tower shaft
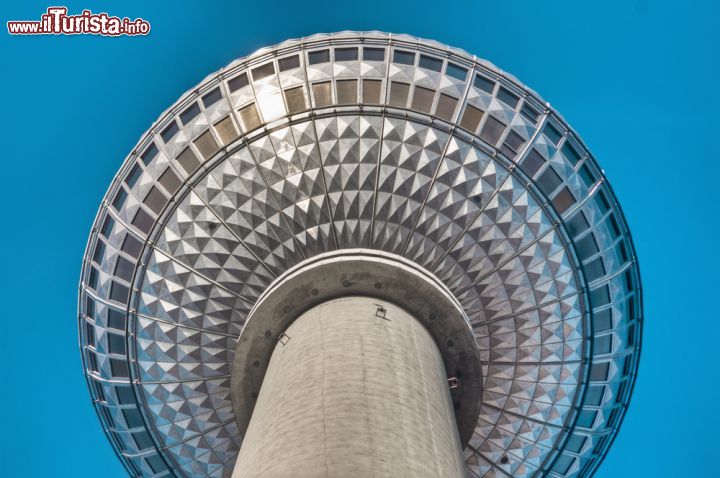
{"points": [[355, 387]]}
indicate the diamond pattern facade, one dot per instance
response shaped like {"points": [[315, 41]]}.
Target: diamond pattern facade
{"points": [[464, 171]]}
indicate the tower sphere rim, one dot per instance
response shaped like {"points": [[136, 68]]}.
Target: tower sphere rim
{"points": [[357, 273]]}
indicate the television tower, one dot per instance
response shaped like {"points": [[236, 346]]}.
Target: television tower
{"points": [[360, 254]]}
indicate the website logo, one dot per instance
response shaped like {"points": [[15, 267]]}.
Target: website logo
{"points": [[56, 21]]}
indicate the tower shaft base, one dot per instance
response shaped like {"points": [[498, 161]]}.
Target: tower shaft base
{"points": [[355, 387]]}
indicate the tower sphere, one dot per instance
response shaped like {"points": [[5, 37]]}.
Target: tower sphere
{"points": [[361, 164]]}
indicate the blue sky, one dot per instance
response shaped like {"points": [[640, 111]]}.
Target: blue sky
{"points": [[636, 79]]}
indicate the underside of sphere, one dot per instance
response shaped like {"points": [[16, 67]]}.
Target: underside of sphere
{"points": [[408, 151]]}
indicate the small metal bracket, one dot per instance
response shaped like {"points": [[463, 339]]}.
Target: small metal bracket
{"points": [[283, 338], [453, 383]]}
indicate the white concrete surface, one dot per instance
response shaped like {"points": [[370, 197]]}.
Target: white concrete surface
{"points": [[348, 393]]}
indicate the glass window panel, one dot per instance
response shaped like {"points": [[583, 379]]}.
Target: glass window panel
{"points": [[124, 268], [295, 99], [514, 140], [142, 440], [346, 91], [627, 365], [549, 181], [156, 464], [373, 54], [512, 145], [423, 99], [586, 418], [125, 395], [577, 224], [169, 131], [155, 200], [211, 98], [190, 113], [92, 361], [570, 153], [430, 63], [600, 296], [586, 175], [188, 160], [271, 105], [563, 200], [116, 344], [371, 91], [206, 144], [149, 153], [225, 128], [346, 54], [602, 202], [575, 443], [630, 336], [93, 278], [263, 71], [594, 395], [552, 133], [119, 292], [509, 153], [120, 197], [602, 320], [594, 270], [484, 84], [238, 82], [99, 251], [131, 246], [602, 345], [119, 368], [289, 63], [250, 117], [107, 226], [404, 57], [622, 252], [456, 71], [446, 107], [563, 464], [399, 94], [89, 307], [316, 57], [471, 118], [132, 418], [619, 398], [133, 176], [529, 112], [115, 319], [90, 333], [492, 130], [614, 228], [143, 221], [586, 247], [532, 162], [321, 94], [508, 97]]}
